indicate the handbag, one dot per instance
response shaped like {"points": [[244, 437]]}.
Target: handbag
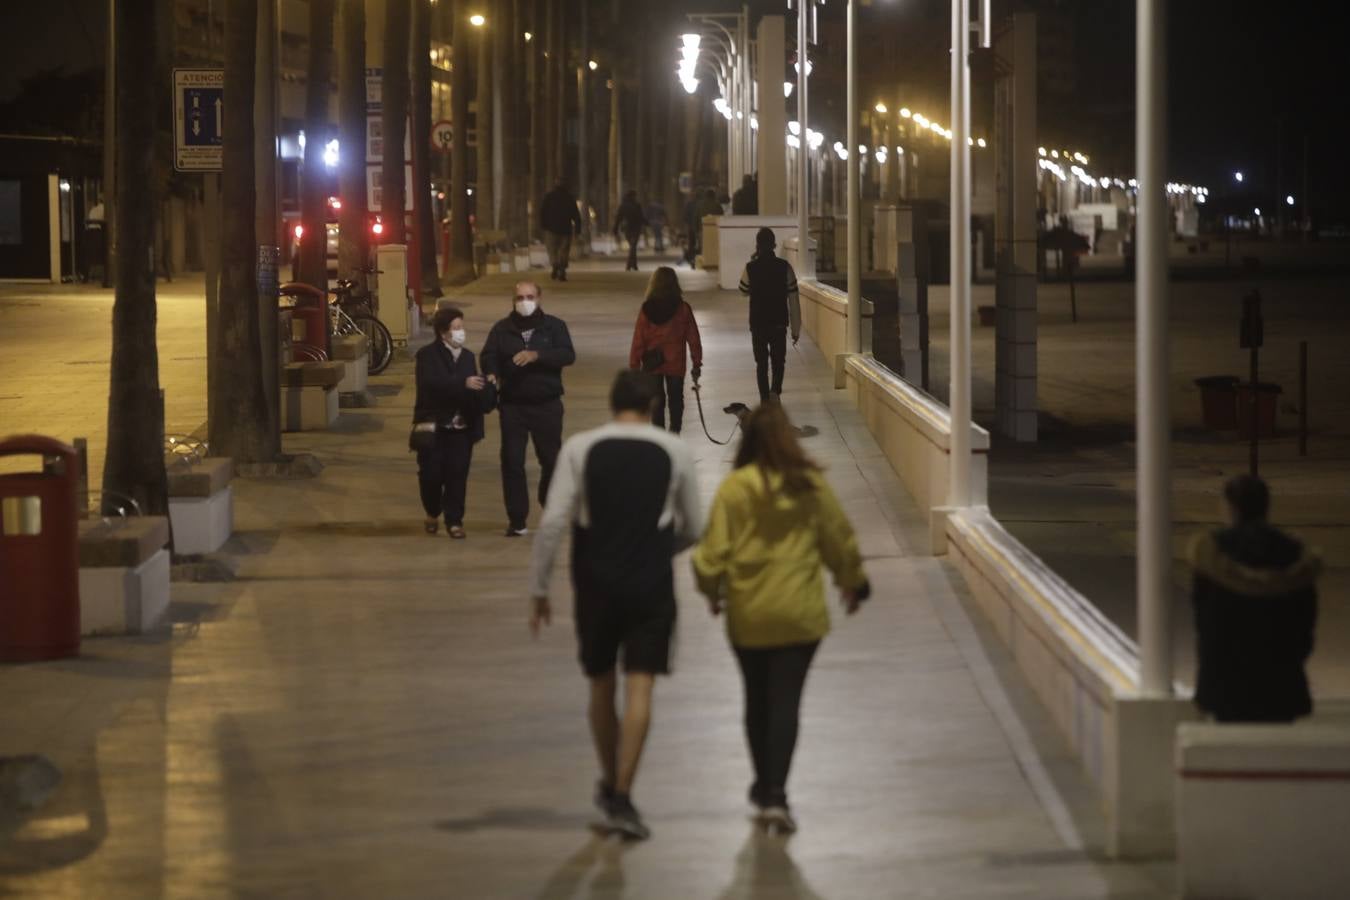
{"points": [[422, 437], [653, 359]]}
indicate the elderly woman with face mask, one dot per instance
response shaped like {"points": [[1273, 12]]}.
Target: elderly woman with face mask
{"points": [[452, 399], [524, 357]]}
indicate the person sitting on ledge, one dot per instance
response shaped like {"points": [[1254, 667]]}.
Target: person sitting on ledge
{"points": [[1255, 600]]}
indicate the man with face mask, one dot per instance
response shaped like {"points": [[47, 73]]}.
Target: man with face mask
{"points": [[524, 357], [452, 399]]}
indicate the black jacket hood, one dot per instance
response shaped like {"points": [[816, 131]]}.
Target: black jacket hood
{"points": [[1233, 574]]}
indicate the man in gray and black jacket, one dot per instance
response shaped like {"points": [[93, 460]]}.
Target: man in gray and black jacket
{"points": [[524, 356], [774, 307]]}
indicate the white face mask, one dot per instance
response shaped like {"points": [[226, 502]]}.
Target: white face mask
{"points": [[457, 337], [526, 307]]}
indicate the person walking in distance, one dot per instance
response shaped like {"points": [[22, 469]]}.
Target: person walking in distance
{"points": [[629, 494], [561, 220], [775, 308], [656, 221], [774, 523], [664, 327], [631, 221], [452, 399], [524, 356], [1255, 599]]}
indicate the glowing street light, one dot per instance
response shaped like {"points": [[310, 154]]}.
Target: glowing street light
{"points": [[1237, 176], [691, 41], [477, 20], [1257, 210], [528, 37], [881, 108], [905, 113], [594, 65], [330, 154], [787, 89], [1289, 199], [795, 127]]}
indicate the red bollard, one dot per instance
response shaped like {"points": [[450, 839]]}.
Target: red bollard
{"points": [[39, 554]]}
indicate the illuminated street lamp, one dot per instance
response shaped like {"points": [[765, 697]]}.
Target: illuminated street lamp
{"points": [[881, 108], [477, 20], [1289, 199], [1237, 176]]}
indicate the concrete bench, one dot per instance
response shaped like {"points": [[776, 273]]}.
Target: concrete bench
{"points": [[354, 351], [201, 503], [124, 574], [1263, 810], [309, 395]]}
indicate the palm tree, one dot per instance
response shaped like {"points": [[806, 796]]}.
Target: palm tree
{"points": [[421, 146], [394, 98], [459, 268], [484, 193], [314, 190], [238, 426], [134, 464], [353, 241]]}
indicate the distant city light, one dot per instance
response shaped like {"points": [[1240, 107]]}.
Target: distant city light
{"points": [[787, 89], [528, 37], [905, 113], [980, 143], [594, 65], [330, 153], [477, 20], [881, 108], [795, 127], [1289, 199], [1257, 210], [1237, 176]]}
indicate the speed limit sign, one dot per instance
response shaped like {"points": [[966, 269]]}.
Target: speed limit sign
{"points": [[442, 134]]}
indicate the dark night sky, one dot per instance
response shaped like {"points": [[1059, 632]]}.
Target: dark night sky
{"points": [[1241, 73]]}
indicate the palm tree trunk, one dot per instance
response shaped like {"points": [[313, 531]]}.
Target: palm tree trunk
{"points": [[267, 218], [536, 103], [483, 194], [314, 197], [394, 97], [353, 238], [506, 58], [559, 76], [239, 427], [460, 267], [421, 146], [134, 463]]}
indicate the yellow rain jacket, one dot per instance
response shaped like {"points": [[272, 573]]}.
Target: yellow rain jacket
{"points": [[762, 554]]}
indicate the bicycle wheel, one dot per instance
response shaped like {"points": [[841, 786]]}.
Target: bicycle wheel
{"points": [[381, 345]]}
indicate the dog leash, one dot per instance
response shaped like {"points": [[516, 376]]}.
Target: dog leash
{"points": [[698, 399]]}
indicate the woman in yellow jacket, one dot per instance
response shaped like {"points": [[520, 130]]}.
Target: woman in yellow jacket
{"points": [[774, 523]]}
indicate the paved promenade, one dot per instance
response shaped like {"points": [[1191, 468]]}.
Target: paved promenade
{"points": [[363, 714]]}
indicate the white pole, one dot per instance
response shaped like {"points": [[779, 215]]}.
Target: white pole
{"points": [[853, 322], [960, 257], [1154, 557], [803, 202]]}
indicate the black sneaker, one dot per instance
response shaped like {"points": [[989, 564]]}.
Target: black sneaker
{"points": [[625, 820], [514, 531], [777, 820], [604, 797]]}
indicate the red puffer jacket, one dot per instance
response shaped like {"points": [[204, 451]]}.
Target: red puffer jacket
{"points": [[666, 324]]}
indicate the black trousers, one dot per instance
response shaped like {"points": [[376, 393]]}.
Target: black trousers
{"points": [[774, 678], [770, 346], [443, 475], [672, 393], [522, 423], [632, 250]]}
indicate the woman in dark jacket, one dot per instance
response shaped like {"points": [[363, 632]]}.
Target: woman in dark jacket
{"points": [[1255, 600], [664, 327], [452, 399]]}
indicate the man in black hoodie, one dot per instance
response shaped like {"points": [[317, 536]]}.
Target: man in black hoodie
{"points": [[524, 356], [775, 307], [561, 220], [1255, 600]]}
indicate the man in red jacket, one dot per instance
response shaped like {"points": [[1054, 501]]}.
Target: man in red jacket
{"points": [[664, 327]]}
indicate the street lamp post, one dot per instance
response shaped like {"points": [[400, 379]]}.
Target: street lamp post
{"points": [[960, 257], [853, 320], [803, 206]]}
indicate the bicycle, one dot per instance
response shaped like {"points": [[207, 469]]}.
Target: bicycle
{"points": [[351, 313]]}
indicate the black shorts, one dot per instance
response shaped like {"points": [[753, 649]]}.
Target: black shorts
{"points": [[643, 629]]}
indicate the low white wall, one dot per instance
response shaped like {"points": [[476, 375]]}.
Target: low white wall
{"points": [[1081, 666], [1263, 810], [913, 430], [123, 600]]}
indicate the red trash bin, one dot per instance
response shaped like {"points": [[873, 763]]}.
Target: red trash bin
{"points": [[311, 315], [39, 554]]}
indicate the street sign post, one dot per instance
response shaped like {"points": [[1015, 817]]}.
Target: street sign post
{"points": [[198, 114], [442, 135]]}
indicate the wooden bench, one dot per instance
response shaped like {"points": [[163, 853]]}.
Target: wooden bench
{"points": [[1263, 810], [309, 395], [124, 574], [201, 503]]}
